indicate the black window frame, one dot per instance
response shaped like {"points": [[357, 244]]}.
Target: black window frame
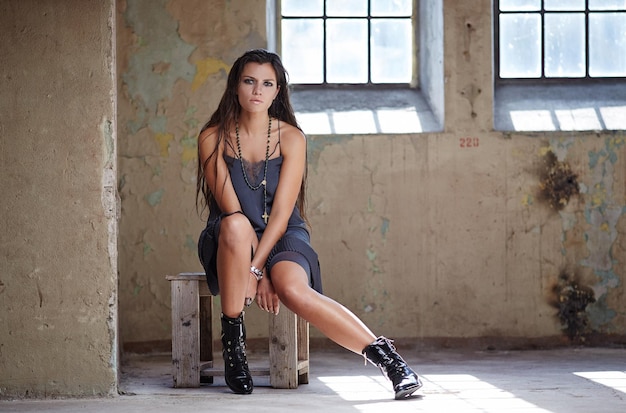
{"points": [[356, 86], [543, 79]]}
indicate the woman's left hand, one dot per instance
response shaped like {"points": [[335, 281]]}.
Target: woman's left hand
{"points": [[266, 297]]}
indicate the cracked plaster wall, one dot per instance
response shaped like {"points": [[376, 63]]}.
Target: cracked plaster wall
{"points": [[438, 235], [58, 255]]}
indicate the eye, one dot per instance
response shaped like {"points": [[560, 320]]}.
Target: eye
{"points": [[269, 84], [248, 81]]}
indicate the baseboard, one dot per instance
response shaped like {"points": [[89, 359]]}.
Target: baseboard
{"points": [[424, 344]]}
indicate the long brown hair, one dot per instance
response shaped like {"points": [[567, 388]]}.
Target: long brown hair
{"points": [[228, 109]]}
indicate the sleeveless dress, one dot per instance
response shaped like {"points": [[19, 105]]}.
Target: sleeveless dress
{"points": [[295, 244]]}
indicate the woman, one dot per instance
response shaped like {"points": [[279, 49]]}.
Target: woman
{"points": [[251, 175]]}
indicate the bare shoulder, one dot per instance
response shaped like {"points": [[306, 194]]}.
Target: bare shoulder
{"points": [[209, 134], [207, 142], [291, 138]]}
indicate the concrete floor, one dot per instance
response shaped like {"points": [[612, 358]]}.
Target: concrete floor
{"points": [[557, 381]]}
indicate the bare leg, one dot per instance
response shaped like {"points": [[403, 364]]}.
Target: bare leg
{"points": [[333, 319], [342, 326], [235, 243], [236, 240]]}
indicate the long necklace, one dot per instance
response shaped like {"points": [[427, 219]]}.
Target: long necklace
{"points": [[263, 183]]}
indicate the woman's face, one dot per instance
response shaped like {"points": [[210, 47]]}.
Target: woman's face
{"points": [[257, 87]]}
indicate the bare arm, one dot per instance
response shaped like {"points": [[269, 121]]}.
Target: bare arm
{"points": [[216, 172]]}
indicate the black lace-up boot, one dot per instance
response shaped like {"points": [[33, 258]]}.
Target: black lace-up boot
{"points": [[236, 371], [383, 354]]}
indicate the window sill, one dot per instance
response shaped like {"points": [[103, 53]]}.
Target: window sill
{"points": [[390, 111], [560, 108]]}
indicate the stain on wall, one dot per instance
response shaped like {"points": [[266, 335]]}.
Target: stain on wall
{"points": [[590, 229], [571, 299], [558, 183]]}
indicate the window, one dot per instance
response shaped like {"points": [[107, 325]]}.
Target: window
{"points": [[560, 65], [363, 66], [349, 42], [560, 39], [353, 64]]}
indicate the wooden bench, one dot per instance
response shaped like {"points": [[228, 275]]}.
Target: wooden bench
{"points": [[192, 339]]}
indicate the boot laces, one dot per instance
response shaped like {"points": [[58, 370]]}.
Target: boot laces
{"points": [[237, 352], [379, 341]]}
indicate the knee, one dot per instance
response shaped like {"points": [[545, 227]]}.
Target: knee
{"points": [[235, 230], [293, 296], [285, 293]]}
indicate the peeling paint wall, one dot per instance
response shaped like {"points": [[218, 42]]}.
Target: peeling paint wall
{"points": [[442, 235], [604, 219], [58, 260], [173, 59], [426, 237]]}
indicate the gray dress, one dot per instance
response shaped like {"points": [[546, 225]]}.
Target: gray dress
{"points": [[295, 245]]}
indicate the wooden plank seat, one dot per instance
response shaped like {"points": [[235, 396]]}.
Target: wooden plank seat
{"points": [[192, 339]]}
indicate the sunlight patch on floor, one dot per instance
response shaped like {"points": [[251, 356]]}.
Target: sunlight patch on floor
{"points": [[444, 393], [613, 379]]}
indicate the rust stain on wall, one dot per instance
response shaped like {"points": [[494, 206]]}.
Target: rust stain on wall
{"points": [[571, 298], [471, 92], [585, 309], [558, 183]]}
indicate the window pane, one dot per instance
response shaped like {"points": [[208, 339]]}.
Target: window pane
{"points": [[520, 47], [392, 8], [607, 44], [346, 51], [607, 5], [568, 5], [302, 8], [346, 8], [565, 45], [304, 64], [520, 5], [391, 51]]}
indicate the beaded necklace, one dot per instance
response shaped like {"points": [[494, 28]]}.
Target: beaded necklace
{"points": [[263, 183]]}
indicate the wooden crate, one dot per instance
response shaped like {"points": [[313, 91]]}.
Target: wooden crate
{"points": [[192, 338]]}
